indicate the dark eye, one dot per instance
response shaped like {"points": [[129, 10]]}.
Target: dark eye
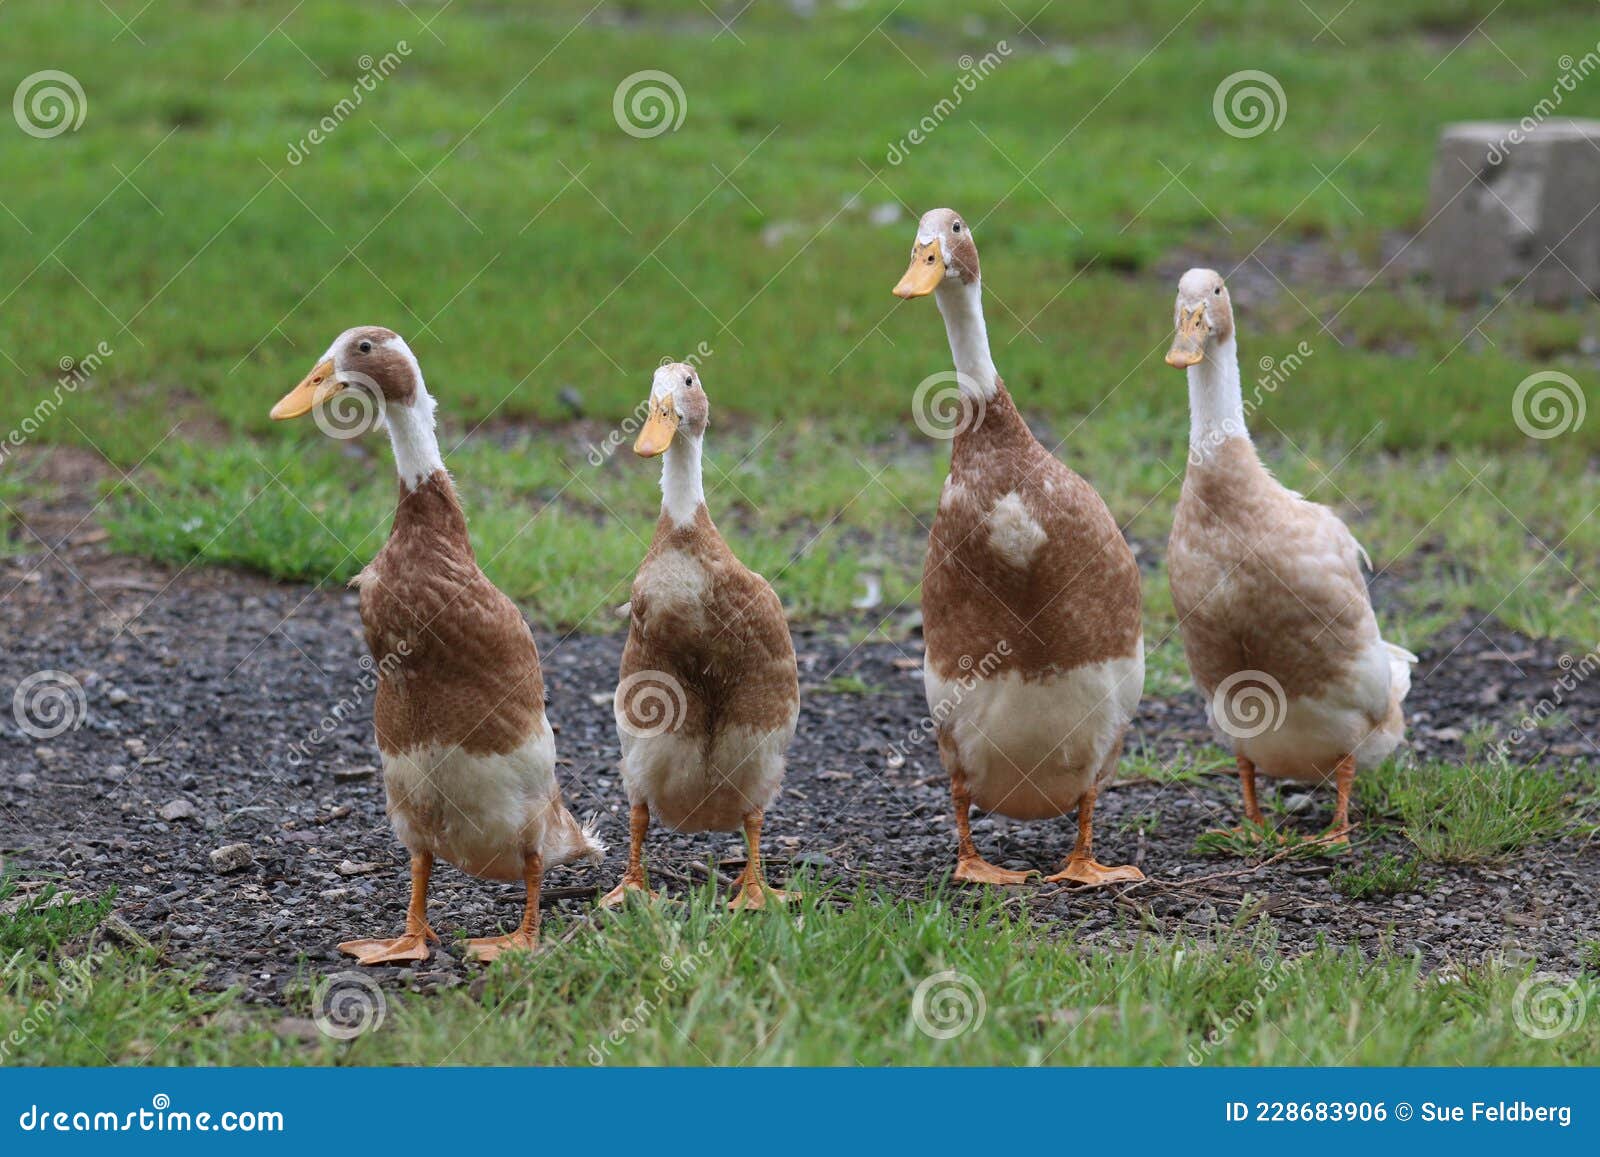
{"points": [[930, 259], [956, 227], [689, 381], [365, 346], [1219, 291]]}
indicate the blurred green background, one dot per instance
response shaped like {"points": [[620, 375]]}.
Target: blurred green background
{"points": [[483, 199]]}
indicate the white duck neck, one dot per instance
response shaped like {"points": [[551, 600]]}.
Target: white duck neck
{"points": [[682, 491], [962, 307], [1216, 405], [416, 447]]}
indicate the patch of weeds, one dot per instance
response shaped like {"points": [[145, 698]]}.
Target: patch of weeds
{"points": [[1590, 955], [1478, 813], [1145, 823], [849, 685], [1260, 842], [1389, 875]]}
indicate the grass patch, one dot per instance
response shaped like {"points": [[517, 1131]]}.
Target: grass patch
{"points": [[1388, 875], [1263, 842], [1478, 813], [826, 983]]}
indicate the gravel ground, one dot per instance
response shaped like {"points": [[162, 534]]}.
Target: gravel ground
{"points": [[198, 686]]}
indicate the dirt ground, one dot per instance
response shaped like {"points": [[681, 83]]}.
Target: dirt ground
{"points": [[199, 686]]}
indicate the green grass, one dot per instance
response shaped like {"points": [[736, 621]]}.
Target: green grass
{"points": [[1388, 875], [1478, 813], [549, 249], [825, 984]]}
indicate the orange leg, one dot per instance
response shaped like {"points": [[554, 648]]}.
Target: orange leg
{"points": [[1081, 866], [526, 937], [752, 890], [1247, 785], [972, 868], [633, 878], [1338, 835], [414, 944]]}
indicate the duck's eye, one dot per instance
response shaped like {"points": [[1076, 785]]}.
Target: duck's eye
{"points": [[930, 259], [1219, 291], [365, 346], [956, 227], [689, 381]]}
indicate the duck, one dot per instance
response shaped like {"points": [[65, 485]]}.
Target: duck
{"points": [[708, 691], [1270, 592], [468, 754], [1031, 599]]}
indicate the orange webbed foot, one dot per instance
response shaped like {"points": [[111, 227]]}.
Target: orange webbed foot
{"points": [[977, 870], [1092, 874], [411, 946], [629, 885], [754, 897], [485, 949]]}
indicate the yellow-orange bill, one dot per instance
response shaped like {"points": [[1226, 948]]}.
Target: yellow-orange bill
{"points": [[658, 429], [1189, 343], [925, 272], [317, 387]]}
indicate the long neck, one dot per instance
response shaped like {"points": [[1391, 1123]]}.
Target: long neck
{"points": [[416, 449], [1216, 406], [682, 492], [962, 307]]}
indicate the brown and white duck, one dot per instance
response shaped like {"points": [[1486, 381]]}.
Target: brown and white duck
{"points": [[709, 693], [1271, 599], [468, 756], [1030, 599]]}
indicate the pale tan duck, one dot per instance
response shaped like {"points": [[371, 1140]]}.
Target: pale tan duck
{"points": [[1270, 593], [709, 692], [468, 756], [1030, 600]]}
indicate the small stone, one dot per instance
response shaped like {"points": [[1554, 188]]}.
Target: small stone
{"points": [[117, 696], [178, 809], [352, 774], [231, 858], [352, 868], [135, 746]]}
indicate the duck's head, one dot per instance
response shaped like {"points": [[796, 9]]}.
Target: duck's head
{"points": [[678, 407], [943, 251], [370, 359], [1203, 319]]}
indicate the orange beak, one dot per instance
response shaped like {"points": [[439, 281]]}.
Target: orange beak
{"points": [[658, 429], [925, 272], [317, 387], [1189, 343]]}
